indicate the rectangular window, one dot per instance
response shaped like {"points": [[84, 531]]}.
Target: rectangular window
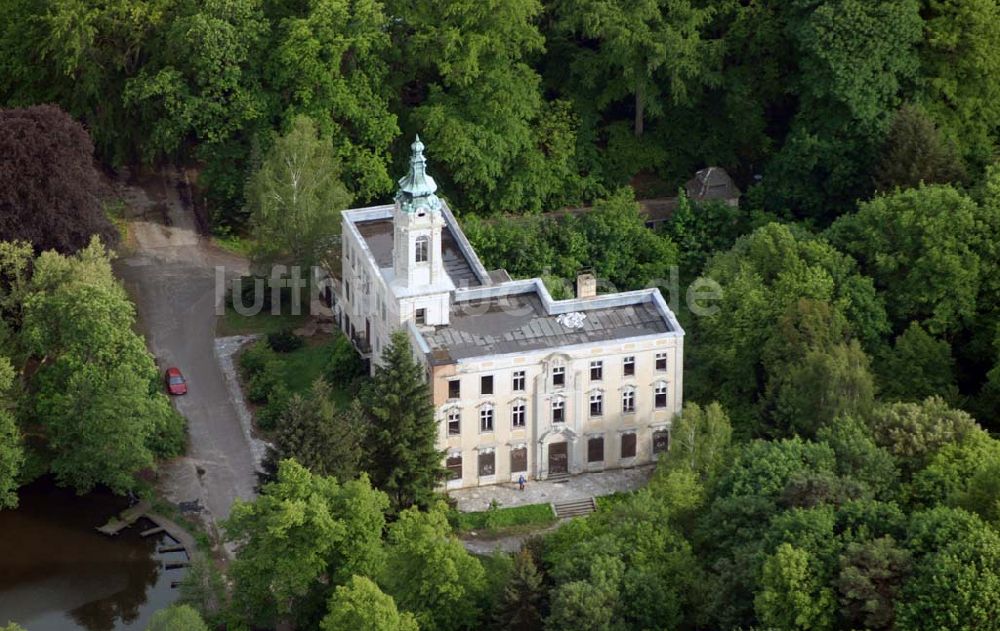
{"points": [[628, 445], [596, 370], [347, 290], [660, 399], [519, 460], [628, 366], [486, 385], [454, 422], [518, 381], [454, 388], [596, 403], [559, 376], [517, 415], [454, 465], [661, 441], [487, 463], [486, 419], [595, 449], [420, 317], [661, 362], [421, 251], [628, 401], [557, 411]]}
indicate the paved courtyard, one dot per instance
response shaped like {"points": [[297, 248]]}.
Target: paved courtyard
{"points": [[577, 487]]}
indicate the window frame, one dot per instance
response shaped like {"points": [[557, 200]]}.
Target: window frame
{"points": [[628, 401], [518, 380], [597, 398], [518, 415], [591, 442], [597, 365], [456, 391], [484, 389], [633, 439], [628, 366], [491, 455], [661, 360], [558, 376], [454, 416], [420, 316], [454, 468], [559, 405], [660, 390], [422, 249], [487, 419]]}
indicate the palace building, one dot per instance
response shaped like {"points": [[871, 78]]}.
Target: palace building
{"points": [[523, 384]]}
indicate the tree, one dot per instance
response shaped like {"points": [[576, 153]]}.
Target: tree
{"points": [[858, 457], [320, 437], [329, 63], [177, 618], [429, 572], [870, 579], [50, 192], [921, 247], [96, 395], [11, 447], [361, 605], [637, 48], [201, 81], [959, 68], [823, 386], [302, 531], [700, 441], [296, 197], [792, 595], [479, 105], [913, 432], [956, 583], [919, 366], [915, 153], [403, 457], [762, 323], [520, 607]]}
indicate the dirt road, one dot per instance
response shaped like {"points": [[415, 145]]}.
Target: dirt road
{"points": [[170, 273]]}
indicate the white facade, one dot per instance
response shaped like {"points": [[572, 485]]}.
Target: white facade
{"points": [[523, 384]]}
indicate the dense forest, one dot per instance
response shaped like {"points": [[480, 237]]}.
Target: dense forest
{"points": [[833, 468]]}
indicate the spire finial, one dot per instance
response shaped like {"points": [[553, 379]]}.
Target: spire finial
{"points": [[417, 184]]}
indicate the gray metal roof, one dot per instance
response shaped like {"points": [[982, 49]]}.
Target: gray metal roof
{"points": [[378, 236], [514, 323]]}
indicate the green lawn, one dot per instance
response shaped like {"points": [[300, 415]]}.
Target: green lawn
{"points": [[264, 322], [504, 519], [303, 366], [234, 243]]}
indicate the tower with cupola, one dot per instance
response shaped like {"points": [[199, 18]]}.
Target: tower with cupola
{"points": [[418, 258]]}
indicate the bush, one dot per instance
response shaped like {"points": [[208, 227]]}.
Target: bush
{"points": [[253, 359], [344, 365], [284, 341]]}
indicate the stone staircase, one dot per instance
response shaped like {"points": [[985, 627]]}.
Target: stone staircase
{"points": [[575, 508]]}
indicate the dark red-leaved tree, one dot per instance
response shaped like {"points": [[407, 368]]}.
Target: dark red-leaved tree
{"points": [[50, 192]]}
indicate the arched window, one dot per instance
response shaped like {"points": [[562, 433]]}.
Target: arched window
{"points": [[422, 249], [660, 395], [628, 400], [486, 418]]}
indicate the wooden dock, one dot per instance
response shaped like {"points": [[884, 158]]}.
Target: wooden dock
{"points": [[125, 519]]}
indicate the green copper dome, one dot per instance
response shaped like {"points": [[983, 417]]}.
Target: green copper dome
{"points": [[416, 189]]}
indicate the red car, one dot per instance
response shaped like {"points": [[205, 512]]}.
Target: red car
{"points": [[175, 381]]}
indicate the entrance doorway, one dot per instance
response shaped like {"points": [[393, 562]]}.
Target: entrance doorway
{"points": [[558, 458]]}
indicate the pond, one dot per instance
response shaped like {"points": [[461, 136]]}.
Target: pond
{"points": [[57, 573]]}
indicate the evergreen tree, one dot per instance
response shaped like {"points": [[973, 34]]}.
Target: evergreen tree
{"points": [[403, 457], [520, 606], [322, 438]]}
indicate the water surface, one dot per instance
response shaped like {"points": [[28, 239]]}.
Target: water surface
{"points": [[57, 573]]}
